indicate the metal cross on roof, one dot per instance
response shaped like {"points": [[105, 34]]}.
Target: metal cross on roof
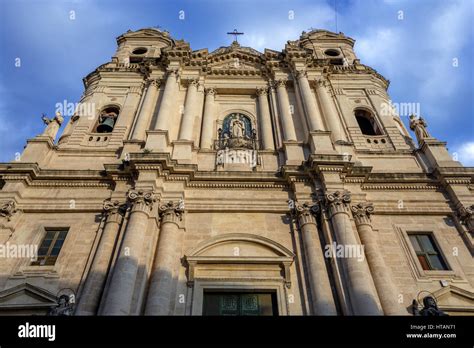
{"points": [[235, 33]]}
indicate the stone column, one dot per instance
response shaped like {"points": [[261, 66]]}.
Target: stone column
{"points": [[167, 102], [122, 285], [166, 260], [190, 111], [284, 106], [363, 297], [321, 294], [329, 111], [94, 286], [146, 111], [208, 119], [386, 290], [265, 119], [312, 111]]}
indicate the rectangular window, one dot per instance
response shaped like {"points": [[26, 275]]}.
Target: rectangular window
{"points": [[427, 252], [50, 247]]}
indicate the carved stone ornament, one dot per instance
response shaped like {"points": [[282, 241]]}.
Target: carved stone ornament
{"points": [[210, 91], [362, 212], [141, 200], [171, 211], [280, 83], [7, 209], [305, 212], [111, 208], [338, 201], [154, 82], [262, 91], [466, 215], [301, 73]]}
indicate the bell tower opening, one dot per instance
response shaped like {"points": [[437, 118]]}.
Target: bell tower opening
{"points": [[107, 119]]}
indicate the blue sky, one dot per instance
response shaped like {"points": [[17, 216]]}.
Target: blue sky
{"points": [[424, 47]]}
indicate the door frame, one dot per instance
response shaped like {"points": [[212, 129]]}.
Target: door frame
{"points": [[202, 285]]}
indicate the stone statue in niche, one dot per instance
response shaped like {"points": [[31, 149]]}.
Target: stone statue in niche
{"points": [[418, 125], [52, 125], [237, 128]]}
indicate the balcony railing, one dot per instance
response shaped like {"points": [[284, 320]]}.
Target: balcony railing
{"points": [[236, 143]]}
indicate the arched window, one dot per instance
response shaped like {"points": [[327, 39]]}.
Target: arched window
{"points": [[107, 119], [366, 122]]}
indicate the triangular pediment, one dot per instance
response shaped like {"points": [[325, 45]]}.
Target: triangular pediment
{"points": [[456, 299], [26, 295], [235, 48]]}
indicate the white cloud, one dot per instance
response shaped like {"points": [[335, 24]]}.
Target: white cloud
{"points": [[465, 153]]}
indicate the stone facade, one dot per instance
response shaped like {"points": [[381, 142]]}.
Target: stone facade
{"points": [[235, 170]]}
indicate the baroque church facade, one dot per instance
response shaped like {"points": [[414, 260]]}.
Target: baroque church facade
{"points": [[236, 182]]}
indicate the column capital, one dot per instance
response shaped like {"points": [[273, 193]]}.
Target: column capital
{"points": [[113, 209], [338, 202], [210, 91], [141, 200], [466, 215], [171, 211], [7, 209], [281, 83], [154, 82], [321, 82], [362, 212], [262, 91], [301, 74], [194, 83], [305, 212], [173, 73]]}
